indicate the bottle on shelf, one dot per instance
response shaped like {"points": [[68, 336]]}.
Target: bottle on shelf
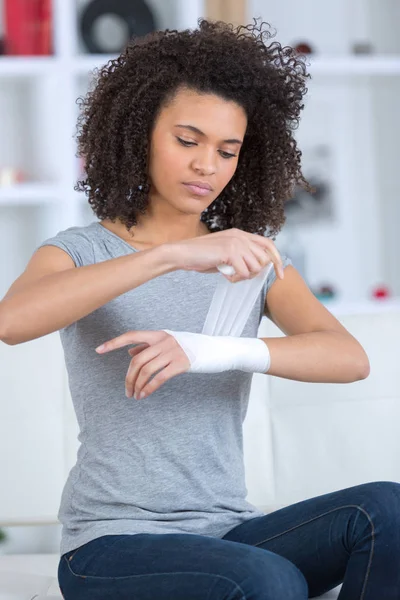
{"points": [[28, 27]]}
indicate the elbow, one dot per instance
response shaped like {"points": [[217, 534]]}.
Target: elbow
{"points": [[364, 367], [4, 330], [8, 341], [360, 366], [365, 370], [6, 338]]}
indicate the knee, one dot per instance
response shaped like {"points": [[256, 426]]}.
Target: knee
{"points": [[290, 583], [276, 579], [383, 497]]}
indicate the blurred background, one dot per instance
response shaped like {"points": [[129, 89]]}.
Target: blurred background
{"points": [[344, 239]]}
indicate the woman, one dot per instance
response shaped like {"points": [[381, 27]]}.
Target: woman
{"points": [[189, 153]]}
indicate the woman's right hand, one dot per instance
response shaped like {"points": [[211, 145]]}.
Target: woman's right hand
{"points": [[247, 253]]}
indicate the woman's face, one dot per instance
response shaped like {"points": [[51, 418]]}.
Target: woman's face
{"points": [[196, 138]]}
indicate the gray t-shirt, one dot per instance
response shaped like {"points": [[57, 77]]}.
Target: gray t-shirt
{"points": [[172, 462]]}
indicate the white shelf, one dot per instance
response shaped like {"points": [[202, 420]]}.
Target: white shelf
{"points": [[371, 307], [32, 66], [27, 66], [355, 65], [82, 65], [16, 66], [29, 193]]}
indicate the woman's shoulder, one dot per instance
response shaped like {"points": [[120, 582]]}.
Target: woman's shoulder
{"points": [[77, 241]]}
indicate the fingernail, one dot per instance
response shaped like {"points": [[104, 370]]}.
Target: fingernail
{"points": [[100, 348], [142, 395]]}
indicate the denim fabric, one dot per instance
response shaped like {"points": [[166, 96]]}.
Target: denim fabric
{"points": [[350, 536]]}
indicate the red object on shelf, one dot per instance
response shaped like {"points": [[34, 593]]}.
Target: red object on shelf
{"points": [[303, 48], [381, 292], [44, 37], [28, 27], [17, 34]]}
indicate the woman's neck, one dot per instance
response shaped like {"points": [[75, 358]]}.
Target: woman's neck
{"points": [[144, 237]]}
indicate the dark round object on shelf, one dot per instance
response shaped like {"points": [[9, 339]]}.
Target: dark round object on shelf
{"points": [[303, 48], [362, 48], [136, 16]]}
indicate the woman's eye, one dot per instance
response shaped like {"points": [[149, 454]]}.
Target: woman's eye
{"points": [[184, 142], [188, 144]]}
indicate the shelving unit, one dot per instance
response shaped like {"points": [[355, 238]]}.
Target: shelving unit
{"points": [[56, 82], [30, 193]]}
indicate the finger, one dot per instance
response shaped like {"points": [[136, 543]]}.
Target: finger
{"points": [[272, 250], [137, 349], [256, 260], [276, 259], [241, 269], [130, 337], [149, 370], [136, 364], [171, 370], [262, 257]]}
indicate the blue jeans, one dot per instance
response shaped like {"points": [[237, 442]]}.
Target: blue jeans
{"points": [[350, 536]]}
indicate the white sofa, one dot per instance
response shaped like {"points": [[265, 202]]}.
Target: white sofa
{"points": [[286, 456]]}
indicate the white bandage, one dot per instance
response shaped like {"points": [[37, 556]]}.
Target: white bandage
{"points": [[219, 346], [226, 269], [214, 354], [232, 303]]}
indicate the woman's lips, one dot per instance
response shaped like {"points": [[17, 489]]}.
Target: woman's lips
{"points": [[198, 191]]}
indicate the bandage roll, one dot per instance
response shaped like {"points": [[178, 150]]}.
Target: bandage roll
{"points": [[226, 269], [219, 347], [232, 303]]}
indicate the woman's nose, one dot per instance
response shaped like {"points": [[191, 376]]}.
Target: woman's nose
{"points": [[205, 162]]}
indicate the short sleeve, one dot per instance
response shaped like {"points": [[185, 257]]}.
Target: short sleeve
{"points": [[75, 242], [272, 274]]}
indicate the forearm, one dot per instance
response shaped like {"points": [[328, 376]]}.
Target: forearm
{"points": [[59, 299], [319, 357]]}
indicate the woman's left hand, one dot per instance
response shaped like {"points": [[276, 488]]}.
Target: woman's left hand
{"points": [[156, 350]]}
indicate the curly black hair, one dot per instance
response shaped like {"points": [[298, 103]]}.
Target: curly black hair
{"points": [[234, 62]]}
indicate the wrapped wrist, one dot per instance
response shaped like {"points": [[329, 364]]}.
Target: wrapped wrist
{"points": [[214, 354]]}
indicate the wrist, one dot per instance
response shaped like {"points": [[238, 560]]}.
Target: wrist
{"points": [[166, 257], [214, 354], [251, 354]]}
